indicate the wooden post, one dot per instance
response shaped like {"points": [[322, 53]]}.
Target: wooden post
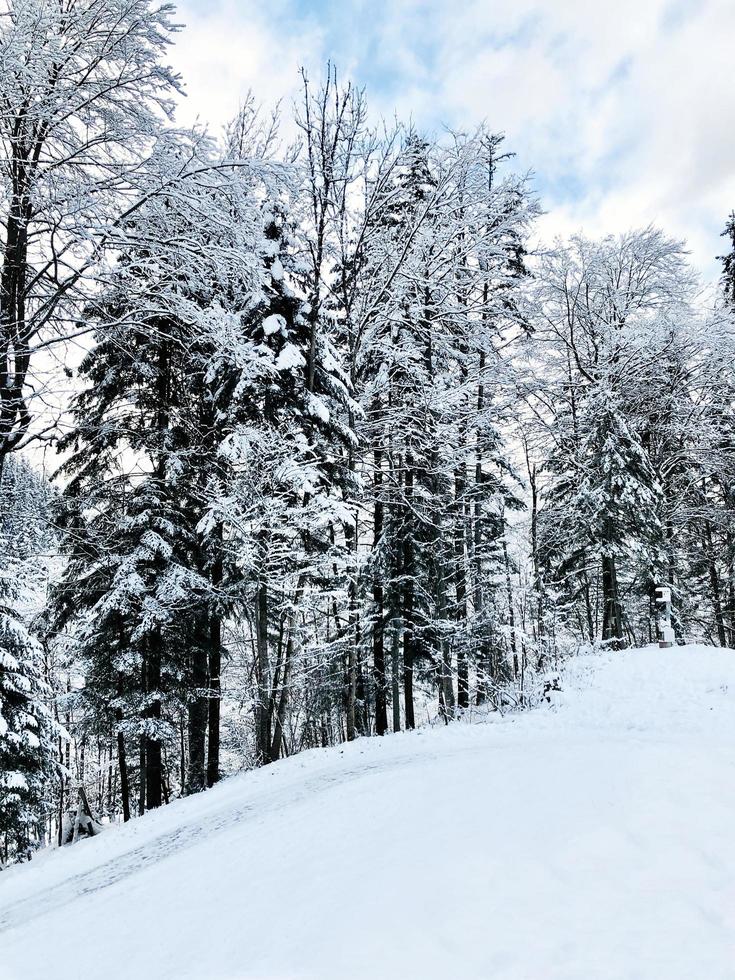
{"points": [[663, 602]]}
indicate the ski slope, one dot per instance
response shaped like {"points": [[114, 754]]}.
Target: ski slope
{"points": [[590, 839]]}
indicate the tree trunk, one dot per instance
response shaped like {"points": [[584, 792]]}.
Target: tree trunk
{"points": [[141, 742], [280, 713], [153, 765], [460, 587], [123, 766], [121, 758], [612, 621], [408, 601], [215, 687], [394, 557], [379, 683], [395, 659], [731, 589], [15, 337], [714, 579], [676, 621], [588, 605], [262, 713], [484, 653], [197, 711], [537, 580], [351, 706], [447, 701], [511, 610]]}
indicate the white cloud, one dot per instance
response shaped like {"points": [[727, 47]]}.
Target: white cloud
{"points": [[228, 48], [623, 108]]}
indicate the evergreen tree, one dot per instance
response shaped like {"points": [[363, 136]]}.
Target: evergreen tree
{"points": [[133, 466], [282, 402], [610, 314], [28, 733], [728, 263]]}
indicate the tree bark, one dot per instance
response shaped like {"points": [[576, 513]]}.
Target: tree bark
{"points": [[511, 610], [395, 659], [280, 713], [485, 660], [537, 579], [352, 639], [141, 743], [408, 572], [215, 667], [612, 621], [262, 712], [731, 589], [153, 762], [379, 682], [197, 711], [446, 685], [121, 758], [715, 586], [460, 586]]}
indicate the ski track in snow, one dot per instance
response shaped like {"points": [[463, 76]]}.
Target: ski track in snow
{"points": [[109, 873], [587, 841], [159, 848]]}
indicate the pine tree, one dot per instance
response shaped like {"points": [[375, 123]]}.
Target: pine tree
{"points": [[282, 400], [427, 360], [131, 571], [133, 466], [728, 264], [28, 733]]}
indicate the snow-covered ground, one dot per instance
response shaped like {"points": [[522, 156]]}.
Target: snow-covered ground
{"points": [[593, 839]]}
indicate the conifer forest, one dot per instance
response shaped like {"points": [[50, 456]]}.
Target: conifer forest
{"points": [[306, 437]]}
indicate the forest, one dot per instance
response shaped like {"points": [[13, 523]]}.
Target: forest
{"points": [[304, 438]]}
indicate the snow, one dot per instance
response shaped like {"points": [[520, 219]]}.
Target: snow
{"points": [[590, 839], [317, 408], [14, 780], [289, 358], [274, 323], [277, 272]]}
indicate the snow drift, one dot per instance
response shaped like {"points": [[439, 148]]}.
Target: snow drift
{"points": [[592, 838]]}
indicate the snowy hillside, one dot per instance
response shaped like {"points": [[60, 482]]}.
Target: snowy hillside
{"points": [[589, 840]]}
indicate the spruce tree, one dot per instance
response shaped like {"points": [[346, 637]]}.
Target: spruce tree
{"points": [[282, 402], [28, 733], [728, 264], [131, 497]]}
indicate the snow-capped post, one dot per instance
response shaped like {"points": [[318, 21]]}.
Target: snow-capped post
{"points": [[665, 630]]}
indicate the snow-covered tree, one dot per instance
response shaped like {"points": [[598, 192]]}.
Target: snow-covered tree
{"points": [[139, 449], [28, 733], [283, 398], [728, 263], [609, 317], [428, 364], [84, 93]]}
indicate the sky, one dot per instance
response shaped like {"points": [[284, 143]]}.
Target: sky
{"points": [[623, 111]]}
